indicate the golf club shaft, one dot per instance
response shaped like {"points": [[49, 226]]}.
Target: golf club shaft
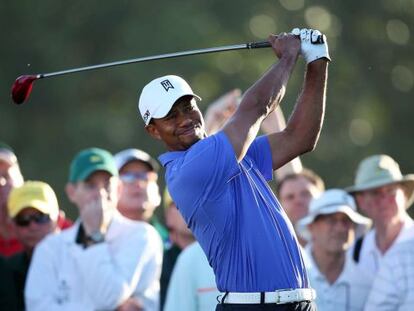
{"points": [[250, 45]]}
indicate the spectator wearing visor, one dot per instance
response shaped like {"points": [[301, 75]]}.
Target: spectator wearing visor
{"points": [[140, 194], [34, 210], [330, 229]]}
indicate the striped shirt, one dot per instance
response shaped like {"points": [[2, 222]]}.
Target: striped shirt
{"points": [[393, 287], [371, 258]]}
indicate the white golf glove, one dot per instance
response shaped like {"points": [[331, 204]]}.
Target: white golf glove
{"points": [[313, 44]]}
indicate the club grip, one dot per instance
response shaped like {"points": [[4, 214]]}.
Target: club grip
{"points": [[258, 45]]}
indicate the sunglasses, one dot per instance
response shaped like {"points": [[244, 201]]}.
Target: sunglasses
{"points": [[132, 177], [24, 221]]}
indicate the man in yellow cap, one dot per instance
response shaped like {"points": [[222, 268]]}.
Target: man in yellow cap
{"points": [[34, 210]]}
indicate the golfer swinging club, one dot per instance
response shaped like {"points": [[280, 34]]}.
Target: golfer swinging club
{"points": [[219, 182]]}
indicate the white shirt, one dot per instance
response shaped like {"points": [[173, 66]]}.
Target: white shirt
{"points": [[336, 296], [393, 287], [370, 259], [64, 275], [192, 286]]}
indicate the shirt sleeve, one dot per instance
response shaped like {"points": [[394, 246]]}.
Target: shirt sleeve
{"points": [[204, 171], [260, 152]]}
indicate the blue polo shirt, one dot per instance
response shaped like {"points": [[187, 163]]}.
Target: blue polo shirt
{"points": [[233, 213]]}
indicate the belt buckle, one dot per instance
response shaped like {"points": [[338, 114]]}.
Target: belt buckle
{"points": [[278, 294], [277, 297]]}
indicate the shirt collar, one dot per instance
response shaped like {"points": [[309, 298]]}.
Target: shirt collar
{"points": [[168, 157]]}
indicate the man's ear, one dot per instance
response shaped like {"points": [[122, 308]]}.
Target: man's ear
{"points": [[70, 192], [153, 131]]}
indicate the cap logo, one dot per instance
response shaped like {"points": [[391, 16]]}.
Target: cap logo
{"points": [[166, 84], [146, 115], [94, 159]]}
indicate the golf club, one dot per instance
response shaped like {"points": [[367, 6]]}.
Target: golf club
{"points": [[23, 85]]}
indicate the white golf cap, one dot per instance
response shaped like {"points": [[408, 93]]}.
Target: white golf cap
{"points": [[126, 156], [158, 96], [330, 202]]}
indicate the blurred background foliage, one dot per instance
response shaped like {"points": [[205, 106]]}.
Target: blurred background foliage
{"points": [[370, 89]]}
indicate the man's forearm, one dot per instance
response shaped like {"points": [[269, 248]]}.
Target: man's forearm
{"points": [[307, 117], [266, 94]]}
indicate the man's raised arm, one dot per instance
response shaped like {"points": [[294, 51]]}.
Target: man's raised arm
{"points": [[264, 96], [304, 125]]}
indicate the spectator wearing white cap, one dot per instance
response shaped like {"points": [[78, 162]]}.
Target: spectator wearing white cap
{"points": [[140, 194], [383, 194], [330, 228]]}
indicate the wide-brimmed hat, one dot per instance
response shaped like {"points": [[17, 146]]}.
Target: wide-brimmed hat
{"points": [[330, 202], [381, 170]]}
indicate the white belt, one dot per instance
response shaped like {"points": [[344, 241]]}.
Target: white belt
{"points": [[277, 297]]}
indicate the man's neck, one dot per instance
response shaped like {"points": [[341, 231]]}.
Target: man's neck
{"points": [[387, 233], [329, 264]]}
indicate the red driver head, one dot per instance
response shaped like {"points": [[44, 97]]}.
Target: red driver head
{"points": [[22, 87]]}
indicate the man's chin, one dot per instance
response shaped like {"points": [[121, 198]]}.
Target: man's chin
{"points": [[188, 143]]}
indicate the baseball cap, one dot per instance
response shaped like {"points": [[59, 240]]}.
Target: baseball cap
{"points": [[35, 194], [89, 161], [125, 156], [381, 170], [158, 96], [330, 202]]}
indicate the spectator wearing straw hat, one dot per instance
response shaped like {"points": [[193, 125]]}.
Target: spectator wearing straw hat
{"points": [[34, 210], [383, 194], [330, 228]]}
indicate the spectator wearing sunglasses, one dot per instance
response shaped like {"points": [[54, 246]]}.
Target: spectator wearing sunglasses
{"points": [[10, 178], [140, 194], [34, 210]]}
